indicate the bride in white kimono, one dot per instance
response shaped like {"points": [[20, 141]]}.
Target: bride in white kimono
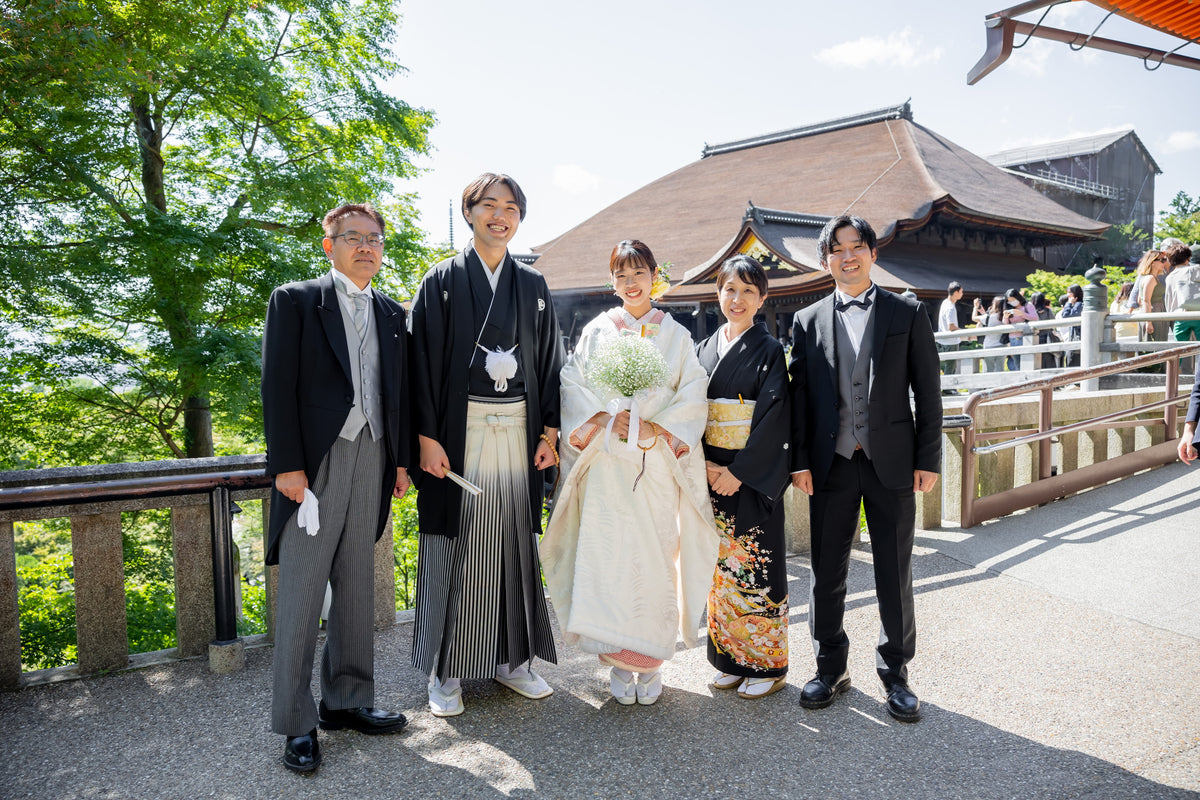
{"points": [[630, 549]]}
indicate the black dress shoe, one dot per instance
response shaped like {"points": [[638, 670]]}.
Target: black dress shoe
{"points": [[302, 753], [902, 704], [822, 690], [363, 720]]}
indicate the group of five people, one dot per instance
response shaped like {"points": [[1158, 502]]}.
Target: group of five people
{"points": [[670, 498]]}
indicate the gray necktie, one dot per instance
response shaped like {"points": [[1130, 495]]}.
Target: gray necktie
{"points": [[360, 314]]}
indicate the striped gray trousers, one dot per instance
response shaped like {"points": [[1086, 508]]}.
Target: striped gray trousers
{"points": [[343, 554], [479, 595]]}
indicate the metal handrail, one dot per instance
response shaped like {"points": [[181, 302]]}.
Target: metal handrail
{"points": [[1046, 486], [217, 485]]}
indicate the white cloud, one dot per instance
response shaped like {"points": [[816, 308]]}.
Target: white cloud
{"points": [[1031, 59], [901, 49], [1180, 141], [574, 179]]}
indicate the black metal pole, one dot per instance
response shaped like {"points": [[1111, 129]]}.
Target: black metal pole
{"points": [[223, 573]]}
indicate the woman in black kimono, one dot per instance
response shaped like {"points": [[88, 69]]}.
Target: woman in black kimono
{"points": [[746, 454]]}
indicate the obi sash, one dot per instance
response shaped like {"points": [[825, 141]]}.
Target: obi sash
{"points": [[728, 423]]}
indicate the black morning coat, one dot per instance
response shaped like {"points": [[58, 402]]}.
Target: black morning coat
{"points": [[903, 357], [307, 389], [755, 369], [442, 331]]}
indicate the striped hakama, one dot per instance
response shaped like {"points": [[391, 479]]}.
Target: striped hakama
{"points": [[479, 595]]}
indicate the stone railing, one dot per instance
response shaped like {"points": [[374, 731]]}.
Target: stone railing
{"points": [[198, 493]]}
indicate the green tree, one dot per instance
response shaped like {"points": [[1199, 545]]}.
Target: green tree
{"points": [[1120, 243], [1055, 285], [164, 165], [1181, 221]]}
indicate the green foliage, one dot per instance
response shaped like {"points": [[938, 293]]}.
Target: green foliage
{"points": [[1182, 221], [404, 531], [46, 598], [150, 616], [254, 610], [1055, 285], [1120, 244], [162, 167]]}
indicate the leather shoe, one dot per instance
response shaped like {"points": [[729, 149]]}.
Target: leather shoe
{"points": [[902, 704], [302, 753], [822, 690], [364, 720]]}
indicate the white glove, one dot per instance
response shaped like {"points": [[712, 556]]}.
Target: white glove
{"points": [[307, 517]]}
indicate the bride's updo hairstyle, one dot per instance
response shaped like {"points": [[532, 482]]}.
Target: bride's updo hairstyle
{"points": [[631, 252]]}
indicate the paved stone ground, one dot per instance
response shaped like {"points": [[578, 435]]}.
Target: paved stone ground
{"points": [[1057, 658]]}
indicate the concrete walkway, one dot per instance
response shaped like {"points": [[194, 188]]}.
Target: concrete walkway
{"points": [[1057, 658]]}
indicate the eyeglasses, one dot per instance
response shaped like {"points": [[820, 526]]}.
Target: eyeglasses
{"points": [[354, 238], [1162, 258]]}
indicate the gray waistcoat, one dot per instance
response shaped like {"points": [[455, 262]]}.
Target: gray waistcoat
{"points": [[364, 372], [854, 376]]}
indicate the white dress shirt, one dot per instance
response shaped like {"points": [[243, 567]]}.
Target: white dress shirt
{"points": [[854, 319]]}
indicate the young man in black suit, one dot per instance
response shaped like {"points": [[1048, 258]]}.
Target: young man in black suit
{"points": [[855, 357], [335, 412]]}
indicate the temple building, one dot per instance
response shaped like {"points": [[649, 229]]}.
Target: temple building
{"points": [[1107, 176], [941, 214]]}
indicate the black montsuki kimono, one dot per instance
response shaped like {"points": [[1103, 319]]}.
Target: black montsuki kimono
{"points": [[748, 604], [476, 610], [442, 344]]}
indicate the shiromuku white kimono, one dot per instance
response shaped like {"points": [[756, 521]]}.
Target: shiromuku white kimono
{"points": [[631, 569]]}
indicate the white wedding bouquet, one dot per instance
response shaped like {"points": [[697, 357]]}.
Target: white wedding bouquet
{"points": [[628, 364]]}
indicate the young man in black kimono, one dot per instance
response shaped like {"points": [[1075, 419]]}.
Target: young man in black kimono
{"points": [[486, 358]]}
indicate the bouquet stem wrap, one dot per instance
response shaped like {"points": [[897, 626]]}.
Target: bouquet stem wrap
{"points": [[616, 406]]}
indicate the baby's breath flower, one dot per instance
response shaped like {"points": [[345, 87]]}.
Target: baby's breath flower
{"points": [[627, 364]]}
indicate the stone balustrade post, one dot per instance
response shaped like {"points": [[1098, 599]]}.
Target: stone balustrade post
{"points": [[1095, 309], [100, 624], [10, 616]]}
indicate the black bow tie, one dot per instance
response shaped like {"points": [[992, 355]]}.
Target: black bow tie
{"points": [[863, 304]]}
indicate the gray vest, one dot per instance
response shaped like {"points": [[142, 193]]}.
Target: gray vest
{"points": [[364, 372], [854, 375]]}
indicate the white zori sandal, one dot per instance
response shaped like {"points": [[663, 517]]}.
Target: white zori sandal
{"points": [[754, 688], [723, 680], [649, 687], [624, 690]]}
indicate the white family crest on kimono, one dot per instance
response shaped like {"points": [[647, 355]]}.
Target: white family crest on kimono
{"points": [[631, 570]]}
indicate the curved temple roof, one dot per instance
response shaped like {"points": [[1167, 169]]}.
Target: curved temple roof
{"points": [[880, 165]]}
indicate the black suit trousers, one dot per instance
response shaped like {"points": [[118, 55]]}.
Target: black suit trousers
{"points": [[891, 516]]}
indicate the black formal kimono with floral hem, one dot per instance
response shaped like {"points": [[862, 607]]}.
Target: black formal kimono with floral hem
{"points": [[748, 604]]}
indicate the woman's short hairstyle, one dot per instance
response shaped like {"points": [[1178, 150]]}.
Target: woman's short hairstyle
{"points": [[477, 190], [333, 219], [827, 238], [632, 252], [746, 269]]}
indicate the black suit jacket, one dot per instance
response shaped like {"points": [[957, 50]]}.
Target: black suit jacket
{"points": [[1193, 413], [903, 357], [307, 389]]}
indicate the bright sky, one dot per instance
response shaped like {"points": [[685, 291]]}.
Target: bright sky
{"points": [[583, 103]]}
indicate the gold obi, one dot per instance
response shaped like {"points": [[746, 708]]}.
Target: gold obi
{"points": [[728, 423]]}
